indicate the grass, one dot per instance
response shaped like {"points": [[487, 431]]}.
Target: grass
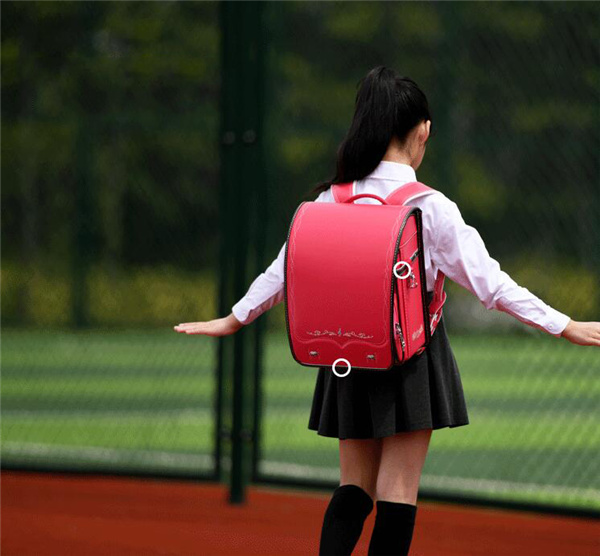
{"points": [[145, 398]]}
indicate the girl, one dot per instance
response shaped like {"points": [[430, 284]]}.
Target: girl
{"points": [[384, 420]]}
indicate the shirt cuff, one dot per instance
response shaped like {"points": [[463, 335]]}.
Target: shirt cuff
{"points": [[240, 314], [558, 322]]}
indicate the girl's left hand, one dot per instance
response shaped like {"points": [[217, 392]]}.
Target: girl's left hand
{"points": [[582, 333], [217, 327]]}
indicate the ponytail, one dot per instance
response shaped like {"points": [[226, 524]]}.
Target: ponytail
{"points": [[386, 105]]}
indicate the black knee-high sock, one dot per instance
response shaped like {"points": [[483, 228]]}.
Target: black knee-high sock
{"points": [[393, 531], [344, 519]]}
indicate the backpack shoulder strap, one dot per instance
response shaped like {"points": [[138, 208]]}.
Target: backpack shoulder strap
{"points": [[402, 196], [407, 192], [342, 191]]}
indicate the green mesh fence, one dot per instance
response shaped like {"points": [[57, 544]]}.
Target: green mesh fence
{"points": [[110, 228], [514, 89], [110, 235]]}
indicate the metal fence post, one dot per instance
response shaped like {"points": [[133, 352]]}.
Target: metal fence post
{"points": [[82, 225], [242, 175]]}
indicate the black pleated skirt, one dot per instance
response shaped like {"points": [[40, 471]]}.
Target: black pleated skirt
{"points": [[425, 392]]}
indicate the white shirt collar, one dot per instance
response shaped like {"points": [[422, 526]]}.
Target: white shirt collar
{"points": [[396, 171]]}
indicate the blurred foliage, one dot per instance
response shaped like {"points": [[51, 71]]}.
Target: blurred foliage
{"points": [[140, 83], [120, 100], [567, 284], [157, 296]]}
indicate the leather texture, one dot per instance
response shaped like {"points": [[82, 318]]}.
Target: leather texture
{"points": [[342, 298]]}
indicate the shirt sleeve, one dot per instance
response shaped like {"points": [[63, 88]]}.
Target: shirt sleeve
{"points": [[461, 254], [267, 289], [265, 292]]}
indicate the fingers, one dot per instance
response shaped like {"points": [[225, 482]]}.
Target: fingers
{"points": [[593, 336], [588, 341], [182, 327], [193, 327], [209, 328], [594, 340], [185, 325]]}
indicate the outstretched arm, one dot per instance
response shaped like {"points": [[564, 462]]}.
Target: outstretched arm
{"points": [[265, 292], [460, 253]]}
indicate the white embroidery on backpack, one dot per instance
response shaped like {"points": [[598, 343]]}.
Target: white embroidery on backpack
{"points": [[339, 333], [417, 333]]}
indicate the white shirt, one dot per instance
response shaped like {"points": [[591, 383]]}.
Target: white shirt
{"points": [[450, 245]]}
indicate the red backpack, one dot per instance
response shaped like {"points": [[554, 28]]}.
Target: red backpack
{"points": [[355, 288]]}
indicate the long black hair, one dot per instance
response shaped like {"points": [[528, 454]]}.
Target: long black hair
{"points": [[386, 105]]}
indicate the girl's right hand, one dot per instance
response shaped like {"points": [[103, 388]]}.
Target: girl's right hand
{"points": [[582, 333], [217, 327]]}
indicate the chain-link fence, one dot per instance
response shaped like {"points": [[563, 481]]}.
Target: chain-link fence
{"points": [[110, 229], [110, 235], [514, 90]]}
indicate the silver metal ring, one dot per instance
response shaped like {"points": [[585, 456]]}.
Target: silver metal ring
{"points": [[341, 359], [403, 264]]}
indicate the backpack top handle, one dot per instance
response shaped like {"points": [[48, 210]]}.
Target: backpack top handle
{"points": [[402, 195], [361, 195]]}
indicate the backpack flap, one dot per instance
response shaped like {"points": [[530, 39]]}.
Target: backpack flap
{"points": [[339, 283]]}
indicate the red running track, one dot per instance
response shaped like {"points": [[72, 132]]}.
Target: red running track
{"points": [[86, 515]]}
